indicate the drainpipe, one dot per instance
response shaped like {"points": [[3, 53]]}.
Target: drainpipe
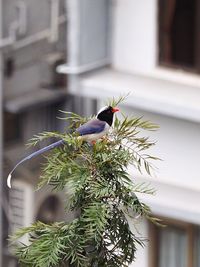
{"points": [[1, 140]]}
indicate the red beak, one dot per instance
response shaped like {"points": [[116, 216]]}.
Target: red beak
{"points": [[115, 110]]}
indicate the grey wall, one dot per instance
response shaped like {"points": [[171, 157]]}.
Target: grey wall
{"points": [[29, 61], [29, 69]]}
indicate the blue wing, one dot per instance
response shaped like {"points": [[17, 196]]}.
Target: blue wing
{"points": [[91, 127]]}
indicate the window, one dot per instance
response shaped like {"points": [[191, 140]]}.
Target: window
{"points": [[11, 127], [179, 33], [176, 245]]}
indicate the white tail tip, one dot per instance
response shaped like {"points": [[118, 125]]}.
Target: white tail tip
{"points": [[9, 180]]}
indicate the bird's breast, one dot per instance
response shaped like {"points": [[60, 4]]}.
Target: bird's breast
{"points": [[96, 136]]}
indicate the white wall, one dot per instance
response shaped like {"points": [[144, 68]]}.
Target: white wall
{"points": [[177, 178], [134, 35], [178, 146]]}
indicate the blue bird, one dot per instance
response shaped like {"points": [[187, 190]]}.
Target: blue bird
{"points": [[90, 131]]}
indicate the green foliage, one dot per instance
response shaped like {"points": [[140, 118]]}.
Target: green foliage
{"points": [[100, 190]]}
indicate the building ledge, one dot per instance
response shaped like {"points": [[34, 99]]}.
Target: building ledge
{"points": [[169, 200], [174, 95], [34, 98]]}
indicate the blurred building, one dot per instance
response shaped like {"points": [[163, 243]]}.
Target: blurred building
{"points": [[32, 45], [151, 49]]}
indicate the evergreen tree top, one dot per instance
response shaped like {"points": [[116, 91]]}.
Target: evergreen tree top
{"points": [[100, 190]]}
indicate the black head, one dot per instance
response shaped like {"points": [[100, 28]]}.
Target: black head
{"points": [[106, 114]]}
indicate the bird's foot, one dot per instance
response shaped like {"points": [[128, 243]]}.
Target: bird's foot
{"points": [[105, 139]]}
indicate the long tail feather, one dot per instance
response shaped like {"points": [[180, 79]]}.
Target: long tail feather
{"points": [[33, 155]]}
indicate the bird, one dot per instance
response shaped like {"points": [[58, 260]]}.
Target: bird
{"points": [[90, 132]]}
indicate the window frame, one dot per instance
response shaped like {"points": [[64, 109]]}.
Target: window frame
{"points": [[153, 233]]}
